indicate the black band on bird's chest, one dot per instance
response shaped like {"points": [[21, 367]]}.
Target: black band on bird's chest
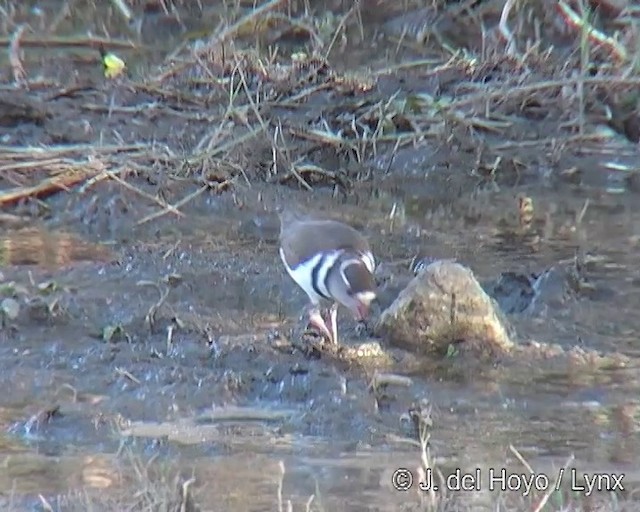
{"points": [[315, 276]]}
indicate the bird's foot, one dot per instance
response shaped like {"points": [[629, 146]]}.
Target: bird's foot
{"points": [[318, 322], [304, 325]]}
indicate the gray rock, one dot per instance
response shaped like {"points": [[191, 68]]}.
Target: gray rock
{"points": [[442, 305]]}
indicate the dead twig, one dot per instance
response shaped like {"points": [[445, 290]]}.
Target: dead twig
{"points": [[37, 165], [35, 152], [389, 379], [499, 93], [321, 136], [339, 28], [284, 154], [552, 488], [177, 205], [127, 374], [71, 42], [170, 209], [227, 146], [61, 181], [503, 26], [123, 9], [574, 20], [45, 504], [17, 68], [150, 317]]}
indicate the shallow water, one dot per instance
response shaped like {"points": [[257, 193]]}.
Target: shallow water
{"points": [[132, 337]]}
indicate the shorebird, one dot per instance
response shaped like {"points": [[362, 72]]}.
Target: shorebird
{"points": [[331, 262]]}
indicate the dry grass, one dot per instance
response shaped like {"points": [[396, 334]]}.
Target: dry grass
{"points": [[259, 93], [250, 117], [145, 487]]}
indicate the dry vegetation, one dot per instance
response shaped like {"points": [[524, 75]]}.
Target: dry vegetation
{"points": [[236, 108], [281, 118]]}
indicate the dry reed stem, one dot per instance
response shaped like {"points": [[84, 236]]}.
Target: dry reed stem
{"points": [[284, 154], [171, 209], [62, 171], [574, 20], [71, 42], [177, 205], [127, 374], [123, 9], [53, 165], [63, 180], [389, 379], [17, 68], [504, 27], [508, 91], [227, 146], [35, 153]]}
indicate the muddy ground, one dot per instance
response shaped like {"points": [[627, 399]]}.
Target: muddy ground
{"points": [[147, 346]]}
